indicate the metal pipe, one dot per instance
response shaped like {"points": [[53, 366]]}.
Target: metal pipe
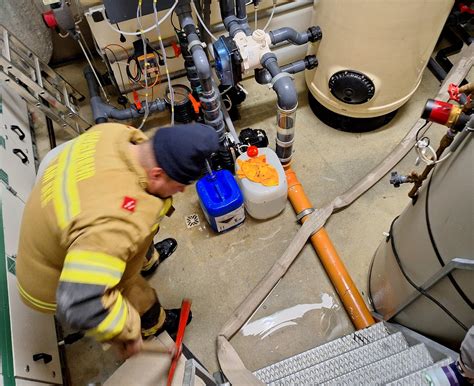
{"points": [[335, 268]]}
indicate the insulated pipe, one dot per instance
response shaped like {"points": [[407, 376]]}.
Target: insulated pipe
{"points": [[335, 269], [102, 111], [312, 34]]}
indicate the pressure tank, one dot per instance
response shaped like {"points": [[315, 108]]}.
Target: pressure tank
{"points": [[427, 236], [371, 58]]}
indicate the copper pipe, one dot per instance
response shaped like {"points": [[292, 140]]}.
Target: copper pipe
{"points": [[335, 268], [418, 179]]}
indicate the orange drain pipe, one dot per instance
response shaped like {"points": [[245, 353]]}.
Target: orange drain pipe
{"points": [[335, 269]]}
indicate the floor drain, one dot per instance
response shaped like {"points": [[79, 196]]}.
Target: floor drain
{"points": [[192, 220]]}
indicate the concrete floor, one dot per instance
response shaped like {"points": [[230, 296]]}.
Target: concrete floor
{"points": [[218, 271]]}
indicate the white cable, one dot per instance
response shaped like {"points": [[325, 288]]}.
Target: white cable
{"points": [[81, 36], [226, 90], [93, 70], [230, 103], [165, 16], [255, 12], [242, 89], [147, 109], [423, 147], [271, 15], [444, 158], [202, 21], [170, 87]]}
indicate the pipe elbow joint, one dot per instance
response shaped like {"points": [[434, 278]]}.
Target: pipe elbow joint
{"points": [[286, 93], [201, 62]]}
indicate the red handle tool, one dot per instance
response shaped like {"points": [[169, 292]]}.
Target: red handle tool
{"points": [[183, 320]]}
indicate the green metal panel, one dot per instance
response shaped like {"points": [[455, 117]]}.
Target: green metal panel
{"points": [[2, 142], [5, 328]]}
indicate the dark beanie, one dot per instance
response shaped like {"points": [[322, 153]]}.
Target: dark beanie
{"points": [[182, 150]]}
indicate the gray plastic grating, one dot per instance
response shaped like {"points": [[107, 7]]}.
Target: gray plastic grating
{"points": [[347, 362], [417, 378], [388, 369], [322, 353]]}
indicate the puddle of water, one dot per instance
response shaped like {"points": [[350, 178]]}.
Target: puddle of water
{"points": [[269, 324]]}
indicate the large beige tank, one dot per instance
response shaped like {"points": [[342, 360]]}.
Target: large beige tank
{"points": [[372, 54], [443, 218]]}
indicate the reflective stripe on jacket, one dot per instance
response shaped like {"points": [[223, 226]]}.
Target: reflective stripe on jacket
{"points": [[86, 228]]}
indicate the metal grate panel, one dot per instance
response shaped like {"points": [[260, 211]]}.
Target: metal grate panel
{"points": [[347, 362], [322, 353], [417, 378], [388, 369]]}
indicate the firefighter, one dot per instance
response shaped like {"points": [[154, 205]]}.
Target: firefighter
{"points": [[88, 227]]}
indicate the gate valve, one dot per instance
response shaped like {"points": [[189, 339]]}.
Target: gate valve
{"points": [[466, 9], [49, 19], [453, 91]]}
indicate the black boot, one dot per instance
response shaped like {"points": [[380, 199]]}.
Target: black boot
{"points": [[172, 322], [165, 249]]}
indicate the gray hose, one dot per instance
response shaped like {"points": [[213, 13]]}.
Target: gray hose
{"points": [[284, 86], [279, 35], [102, 111]]}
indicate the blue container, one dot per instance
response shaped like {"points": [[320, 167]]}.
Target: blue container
{"points": [[221, 200]]}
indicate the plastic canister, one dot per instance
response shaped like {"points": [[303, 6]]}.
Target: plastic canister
{"points": [[263, 202], [221, 200]]}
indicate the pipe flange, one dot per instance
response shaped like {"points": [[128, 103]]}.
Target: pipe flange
{"points": [[304, 213], [277, 77], [195, 43]]}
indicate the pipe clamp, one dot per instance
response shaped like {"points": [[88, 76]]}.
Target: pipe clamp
{"points": [[304, 213], [195, 43], [285, 143], [277, 77]]}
